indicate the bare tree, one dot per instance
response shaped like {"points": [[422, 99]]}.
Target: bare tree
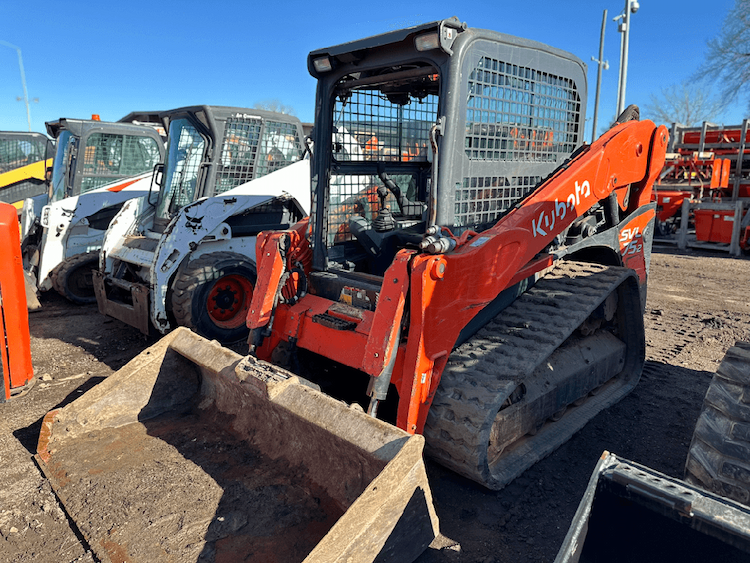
{"points": [[728, 58], [275, 105], [686, 103]]}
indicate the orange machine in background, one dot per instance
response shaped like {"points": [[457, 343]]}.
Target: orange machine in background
{"points": [[703, 191], [14, 318]]}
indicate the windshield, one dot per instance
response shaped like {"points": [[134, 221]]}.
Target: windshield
{"points": [[380, 129], [65, 142], [185, 149]]}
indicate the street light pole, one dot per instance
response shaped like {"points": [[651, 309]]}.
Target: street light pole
{"points": [[631, 6], [23, 80], [619, 73], [603, 65]]}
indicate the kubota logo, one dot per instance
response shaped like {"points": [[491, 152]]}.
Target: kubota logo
{"points": [[548, 218]]}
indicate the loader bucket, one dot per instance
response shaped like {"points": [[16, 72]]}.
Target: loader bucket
{"points": [[632, 513], [191, 452]]}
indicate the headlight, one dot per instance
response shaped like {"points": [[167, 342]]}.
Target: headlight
{"points": [[427, 42], [323, 64], [45, 216]]}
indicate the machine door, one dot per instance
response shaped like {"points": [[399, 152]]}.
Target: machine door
{"points": [[186, 148], [63, 165]]}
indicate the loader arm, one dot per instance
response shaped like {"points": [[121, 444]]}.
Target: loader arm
{"points": [[446, 291]]}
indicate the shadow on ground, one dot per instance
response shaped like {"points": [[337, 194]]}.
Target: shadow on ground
{"points": [[528, 519]]}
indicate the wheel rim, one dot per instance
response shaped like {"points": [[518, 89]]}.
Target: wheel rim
{"points": [[229, 300]]}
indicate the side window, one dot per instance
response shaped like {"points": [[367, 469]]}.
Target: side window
{"points": [[140, 154], [519, 113], [280, 147], [239, 152], [521, 123], [108, 157], [15, 153]]}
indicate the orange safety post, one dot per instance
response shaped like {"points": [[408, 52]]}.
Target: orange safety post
{"points": [[15, 343]]}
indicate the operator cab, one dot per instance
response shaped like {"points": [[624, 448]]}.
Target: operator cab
{"points": [[427, 133], [91, 154], [213, 149]]}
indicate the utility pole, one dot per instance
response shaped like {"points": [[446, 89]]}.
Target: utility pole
{"points": [[23, 79], [603, 65], [631, 6]]}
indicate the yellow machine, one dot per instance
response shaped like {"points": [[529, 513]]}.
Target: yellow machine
{"points": [[24, 160]]}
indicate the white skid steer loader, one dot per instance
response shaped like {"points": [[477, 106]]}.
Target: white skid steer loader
{"points": [[187, 255], [98, 166]]}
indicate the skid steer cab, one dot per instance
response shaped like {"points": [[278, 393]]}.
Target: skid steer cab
{"points": [[24, 160], [185, 255], [97, 167], [470, 255]]}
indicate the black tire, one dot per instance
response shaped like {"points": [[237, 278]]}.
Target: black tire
{"points": [[195, 289], [73, 278], [719, 456]]}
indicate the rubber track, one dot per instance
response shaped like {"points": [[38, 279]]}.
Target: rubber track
{"points": [[481, 372], [719, 455]]}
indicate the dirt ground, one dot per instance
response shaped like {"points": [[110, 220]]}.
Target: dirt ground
{"points": [[697, 308]]}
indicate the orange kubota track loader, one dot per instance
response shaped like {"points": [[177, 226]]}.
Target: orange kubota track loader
{"points": [[494, 282], [464, 251]]}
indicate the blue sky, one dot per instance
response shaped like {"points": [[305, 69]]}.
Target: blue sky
{"points": [[112, 58]]}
